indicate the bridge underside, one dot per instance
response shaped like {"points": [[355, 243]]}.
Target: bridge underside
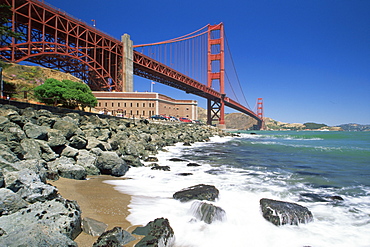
{"points": [[55, 40]]}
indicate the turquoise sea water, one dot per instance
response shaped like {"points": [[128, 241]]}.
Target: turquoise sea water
{"points": [[305, 167]]}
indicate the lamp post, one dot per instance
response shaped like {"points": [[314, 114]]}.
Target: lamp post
{"points": [[151, 86]]}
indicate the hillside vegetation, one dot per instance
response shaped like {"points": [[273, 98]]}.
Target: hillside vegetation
{"points": [[20, 80]]}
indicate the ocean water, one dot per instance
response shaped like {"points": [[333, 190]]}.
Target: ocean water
{"points": [[301, 167]]}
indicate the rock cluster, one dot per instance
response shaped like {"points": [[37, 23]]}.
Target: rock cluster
{"points": [[40, 145], [201, 210]]}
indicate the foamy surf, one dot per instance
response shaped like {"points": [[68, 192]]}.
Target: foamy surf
{"points": [[339, 223]]}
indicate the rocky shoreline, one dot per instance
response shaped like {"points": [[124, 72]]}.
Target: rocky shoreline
{"points": [[41, 145]]}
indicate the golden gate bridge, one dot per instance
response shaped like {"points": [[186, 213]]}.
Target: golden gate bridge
{"points": [[198, 63]]}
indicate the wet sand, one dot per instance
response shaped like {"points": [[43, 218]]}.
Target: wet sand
{"points": [[97, 200]]}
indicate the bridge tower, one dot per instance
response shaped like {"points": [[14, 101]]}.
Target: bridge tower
{"points": [[216, 73], [260, 113]]}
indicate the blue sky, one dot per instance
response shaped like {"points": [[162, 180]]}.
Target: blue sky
{"points": [[308, 59]]}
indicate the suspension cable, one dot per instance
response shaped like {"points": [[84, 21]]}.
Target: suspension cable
{"points": [[237, 77]]}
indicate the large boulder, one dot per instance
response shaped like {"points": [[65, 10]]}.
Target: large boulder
{"points": [[35, 235], [10, 202], [68, 128], [67, 168], [36, 165], [157, 233], [56, 138], [78, 142], [284, 213], [14, 134], [93, 142], [197, 192], [54, 222], [34, 131], [207, 212], [109, 163], [116, 237], [27, 184], [31, 148], [88, 160], [47, 153]]}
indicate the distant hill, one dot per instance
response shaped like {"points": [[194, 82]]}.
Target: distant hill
{"points": [[239, 121], [355, 127]]}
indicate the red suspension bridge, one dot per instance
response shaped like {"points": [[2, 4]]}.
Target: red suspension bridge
{"points": [[199, 63]]}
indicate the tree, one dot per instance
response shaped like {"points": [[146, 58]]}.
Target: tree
{"points": [[67, 93], [6, 30], [313, 126]]}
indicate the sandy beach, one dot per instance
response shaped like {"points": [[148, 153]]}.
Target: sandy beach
{"points": [[98, 200]]}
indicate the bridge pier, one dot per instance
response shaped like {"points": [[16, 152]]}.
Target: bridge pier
{"points": [[216, 112], [127, 64]]}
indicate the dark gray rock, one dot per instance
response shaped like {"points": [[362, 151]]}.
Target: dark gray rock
{"points": [[38, 191], [78, 142], [47, 153], [35, 235], [16, 180], [14, 134], [6, 166], [56, 138], [27, 184], [1, 179], [69, 152], [3, 121], [87, 160], [31, 148], [42, 222], [16, 148], [193, 164], [312, 197], [36, 165], [68, 128], [93, 142], [184, 174], [46, 121], [207, 212], [43, 113], [7, 154], [109, 163], [117, 237], [151, 159], [93, 227], [197, 192], [132, 161], [284, 213], [161, 168], [67, 168], [177, 160], [157, 233], [10, 202], [34, 131]]}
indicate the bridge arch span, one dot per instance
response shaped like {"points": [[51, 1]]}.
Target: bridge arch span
{"points": [[58, 41], [64, 58]]}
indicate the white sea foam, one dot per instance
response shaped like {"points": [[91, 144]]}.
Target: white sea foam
{"points": [[344, 224]]}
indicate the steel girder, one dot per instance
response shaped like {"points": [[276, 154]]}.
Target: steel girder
{"points": [[55, 40]]}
